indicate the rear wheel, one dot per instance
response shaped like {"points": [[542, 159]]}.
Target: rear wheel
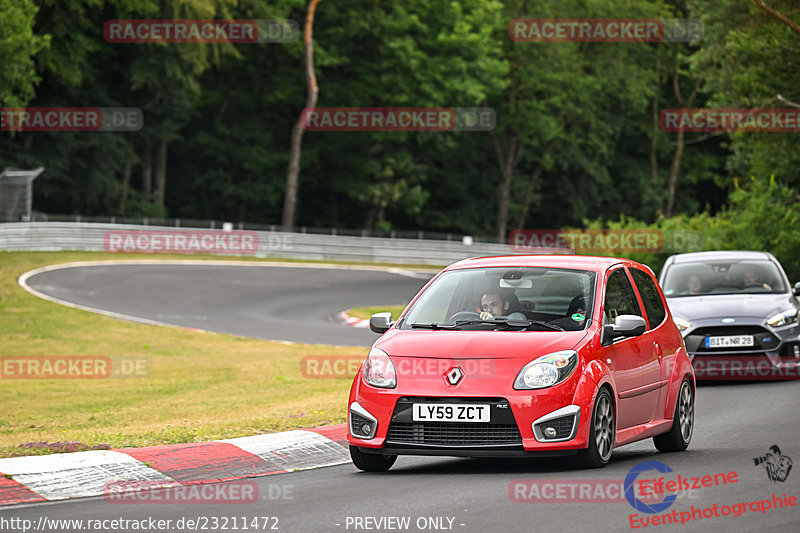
{"points": [[677, 439], [602, 431], [371, 462]]}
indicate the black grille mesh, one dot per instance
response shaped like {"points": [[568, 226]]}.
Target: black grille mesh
{"points": [[453, 434], [356, 421], [562, 425]]}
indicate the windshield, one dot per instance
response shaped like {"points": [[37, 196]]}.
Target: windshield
{"points": [[501, 298], [722, 277]]}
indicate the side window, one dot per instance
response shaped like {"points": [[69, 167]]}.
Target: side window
{"points": [[650, 297], [620, 298]]}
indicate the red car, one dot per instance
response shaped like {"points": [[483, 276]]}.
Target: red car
{"points": [[524, 355]]}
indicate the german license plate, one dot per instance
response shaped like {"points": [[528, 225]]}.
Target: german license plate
{"points": [[450, 412], [734, 341]]}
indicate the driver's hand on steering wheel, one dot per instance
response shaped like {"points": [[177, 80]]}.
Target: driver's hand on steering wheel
{"points": [[486, 315]]}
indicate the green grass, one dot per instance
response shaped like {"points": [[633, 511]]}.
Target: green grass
{"points": [[366, 312], [202, 386]]}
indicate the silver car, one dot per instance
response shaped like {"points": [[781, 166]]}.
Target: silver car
{"points": [[734, 305]]}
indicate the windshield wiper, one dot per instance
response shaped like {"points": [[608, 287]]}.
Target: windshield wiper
{"points": [[436, 325], [510, 322], [545, 324]]}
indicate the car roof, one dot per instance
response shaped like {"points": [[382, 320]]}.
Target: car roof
{"points": [[580, 262], [720, 255]]}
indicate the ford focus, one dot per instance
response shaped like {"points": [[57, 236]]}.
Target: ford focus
{"points": [[524, 356]]}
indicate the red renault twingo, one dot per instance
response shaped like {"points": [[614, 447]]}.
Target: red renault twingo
{"points": [[524, 355]]}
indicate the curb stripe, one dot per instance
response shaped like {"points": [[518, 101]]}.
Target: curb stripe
{"points": [[82, 474], [294, 450], [337, 434], [13, 492], [203, 462], [77, 475]]}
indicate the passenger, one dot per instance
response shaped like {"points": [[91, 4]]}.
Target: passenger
{"points": [[576, 315], [498, 304], [694, 285]]}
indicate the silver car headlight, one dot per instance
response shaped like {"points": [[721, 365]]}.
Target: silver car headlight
{"points": [[379, 370], [783, 319], [547, 370]]}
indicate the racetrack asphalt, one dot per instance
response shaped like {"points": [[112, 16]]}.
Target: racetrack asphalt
{"points": [[270, 302], [734, 424]]}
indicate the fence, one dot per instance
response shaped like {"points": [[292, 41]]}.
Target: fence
{"points": [[90, 236]]}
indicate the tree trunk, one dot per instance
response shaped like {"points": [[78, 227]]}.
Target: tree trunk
{"points": [[147, 169], [675, 169], [161, 172], [126, 183], [654, 141], [534, 181], [507, 162], [312, 92]]}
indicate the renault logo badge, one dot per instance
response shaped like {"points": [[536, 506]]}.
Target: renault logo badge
{"points": [[454, 375]]}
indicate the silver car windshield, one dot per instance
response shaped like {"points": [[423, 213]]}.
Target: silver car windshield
{"points": [[507, 298], [722, 277]]}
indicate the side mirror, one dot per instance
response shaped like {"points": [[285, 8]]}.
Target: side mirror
{"points": [[625, 326], [380, 322], [796, 289]]}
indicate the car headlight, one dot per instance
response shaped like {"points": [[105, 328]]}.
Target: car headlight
{"points": [[547, 370], [783, 319], [682, 323], [379, 370]]}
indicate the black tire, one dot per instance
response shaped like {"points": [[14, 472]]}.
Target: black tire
{"points": [[679, 436], [371, 462], [602, 433]]}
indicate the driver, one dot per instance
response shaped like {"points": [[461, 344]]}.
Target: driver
{"points": [[751, 280], [497, 303]]}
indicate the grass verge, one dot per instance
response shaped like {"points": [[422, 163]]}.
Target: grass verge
{"points": [[202, 386]]}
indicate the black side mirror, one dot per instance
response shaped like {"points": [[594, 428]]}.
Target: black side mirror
{"points": [[380, 322], [625, 326], [796, 289]]}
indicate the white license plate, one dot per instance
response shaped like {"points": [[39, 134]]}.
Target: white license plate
{"points": [[731, 341], [450, 412]]}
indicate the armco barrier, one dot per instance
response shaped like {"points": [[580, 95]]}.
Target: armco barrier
{"points": [[64, 236]]}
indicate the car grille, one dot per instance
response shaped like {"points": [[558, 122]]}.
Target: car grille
{"points": [[453, 434], [562, 425], [763, 338]]}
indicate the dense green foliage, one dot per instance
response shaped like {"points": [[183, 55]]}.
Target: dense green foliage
{"points": [[575, 137]]}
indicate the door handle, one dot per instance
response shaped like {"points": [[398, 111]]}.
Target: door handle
{"points": [[659, 351]]}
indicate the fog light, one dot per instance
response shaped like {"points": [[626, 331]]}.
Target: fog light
{"points": [[366, 429], [550, 432]]}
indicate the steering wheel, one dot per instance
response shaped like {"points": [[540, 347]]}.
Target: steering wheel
{"points": [[464, 315]]}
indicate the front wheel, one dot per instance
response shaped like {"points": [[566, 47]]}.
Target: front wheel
{"points": [[370, 462], [678, 437], [602, 432]]}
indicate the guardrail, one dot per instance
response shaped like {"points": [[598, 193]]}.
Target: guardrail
{"points": [[64, 236]]}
